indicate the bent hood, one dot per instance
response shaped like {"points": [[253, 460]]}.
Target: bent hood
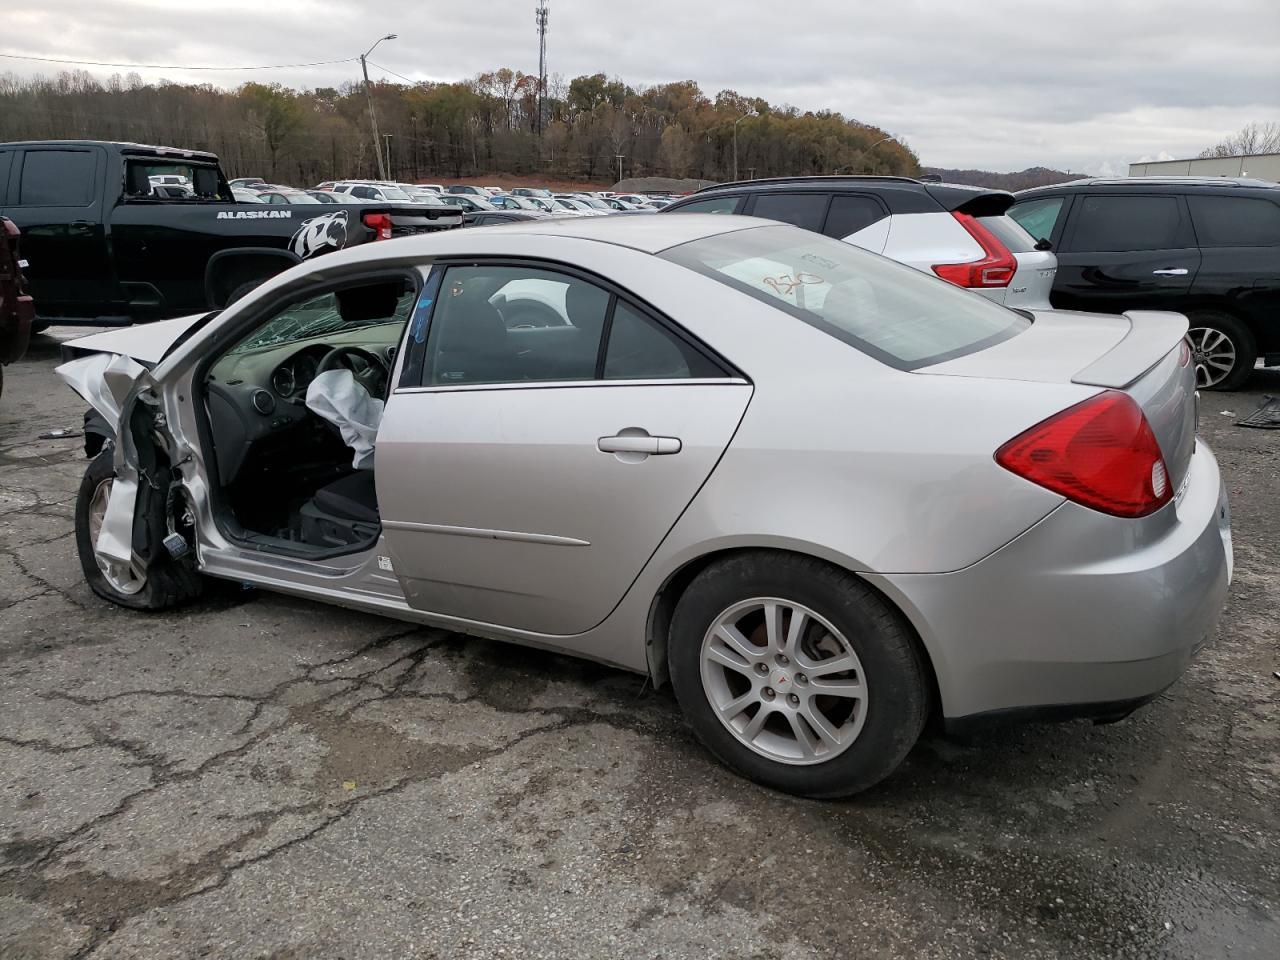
{"points": [[146, 343]]}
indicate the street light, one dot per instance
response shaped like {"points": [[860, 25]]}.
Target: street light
{"points": [[749, 113], [870, 148], [373, 117]]}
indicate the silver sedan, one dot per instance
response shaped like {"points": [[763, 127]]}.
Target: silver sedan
{"points": [[821, 494]]}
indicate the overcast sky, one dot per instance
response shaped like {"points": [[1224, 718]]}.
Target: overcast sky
{"points": [[1086, 86]]}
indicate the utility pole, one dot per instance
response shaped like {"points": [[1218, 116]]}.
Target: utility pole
{"points": [[735, 141], [541, 15], [368, 92], [390, 168]]}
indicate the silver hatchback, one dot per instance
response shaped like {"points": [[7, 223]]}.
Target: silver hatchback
{"points": [[820, 493]]}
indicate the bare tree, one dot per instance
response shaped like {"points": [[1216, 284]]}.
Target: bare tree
{"points": [[1252, 139]]}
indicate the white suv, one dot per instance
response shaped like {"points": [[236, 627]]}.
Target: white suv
{"points": [[958, 233]]}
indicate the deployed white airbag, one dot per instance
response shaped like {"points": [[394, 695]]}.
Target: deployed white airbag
{"points": [[338, 397]]}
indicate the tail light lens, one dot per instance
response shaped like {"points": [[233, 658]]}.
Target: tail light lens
{"points": [[1100, 453], [380, 224], [1184, 353], [995, 269]]}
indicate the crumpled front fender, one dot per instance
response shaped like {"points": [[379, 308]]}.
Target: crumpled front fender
{"points": [[108, 383]]}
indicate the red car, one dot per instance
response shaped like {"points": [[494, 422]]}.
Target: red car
{"points": [[17, 311]]}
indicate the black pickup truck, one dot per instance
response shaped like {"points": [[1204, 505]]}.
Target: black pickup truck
{"points": [[105, 248]]}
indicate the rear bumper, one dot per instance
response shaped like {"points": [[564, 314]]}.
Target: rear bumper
{"points": [[1083, 614]]}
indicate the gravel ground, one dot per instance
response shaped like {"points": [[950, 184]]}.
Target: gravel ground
{"points": [[256, 776]]}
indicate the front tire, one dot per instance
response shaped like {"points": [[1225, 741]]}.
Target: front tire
{"points": [[1223, 350], [163, 584], [797, 674]]}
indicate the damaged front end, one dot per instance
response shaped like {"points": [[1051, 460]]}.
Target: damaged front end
{"points": [[146, 520]]}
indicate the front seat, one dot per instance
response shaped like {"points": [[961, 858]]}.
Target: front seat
{"points": [[352, 497]]}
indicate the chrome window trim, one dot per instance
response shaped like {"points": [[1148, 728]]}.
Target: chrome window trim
{"points": [[562, 384]]}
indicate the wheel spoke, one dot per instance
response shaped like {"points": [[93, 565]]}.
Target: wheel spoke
{"points": [[807, 746], [1210, 344], [773, 625], [732, 638], [795, 630], [852, 689], [725, 658], [821, 725], [1219, 364], [756, 723], [735, 707], [824, 668]]}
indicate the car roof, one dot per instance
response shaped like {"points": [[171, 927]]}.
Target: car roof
{"points": [[645, 234], [1192, 184], [132, 148]]}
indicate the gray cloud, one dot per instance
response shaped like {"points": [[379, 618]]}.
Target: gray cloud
{"points": [[1087, 86]]}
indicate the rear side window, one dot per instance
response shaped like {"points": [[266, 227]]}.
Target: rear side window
{"points": [[57, 178], [1038, 217], [848, 215], [712, 205], [641, 349], [804, 210], [887, 310], [6, 159], [1119, 223], [1235, 221]]}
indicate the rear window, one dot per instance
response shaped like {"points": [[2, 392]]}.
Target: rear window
{"points": [[898, 315], [1235, 221], [1008, 232]]}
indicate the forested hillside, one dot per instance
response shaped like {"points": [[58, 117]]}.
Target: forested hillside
{"points": [[1022, 180], [488, 123]]}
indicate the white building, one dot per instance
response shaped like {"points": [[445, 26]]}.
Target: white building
{"points": [[1263, 166]]}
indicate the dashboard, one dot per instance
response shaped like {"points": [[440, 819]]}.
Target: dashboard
{"points": [[258, 395]]}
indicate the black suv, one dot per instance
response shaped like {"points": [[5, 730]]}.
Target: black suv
{"points": [[1209, 248]]}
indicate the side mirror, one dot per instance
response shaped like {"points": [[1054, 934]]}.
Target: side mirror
{"points": [[1044, 245]]}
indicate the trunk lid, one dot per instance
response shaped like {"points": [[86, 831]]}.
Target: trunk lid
{"points": [[1137, 352]]}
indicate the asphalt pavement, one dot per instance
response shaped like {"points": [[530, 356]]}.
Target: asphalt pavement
{"points": [[255, 776]]}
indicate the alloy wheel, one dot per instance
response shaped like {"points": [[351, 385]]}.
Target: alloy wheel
{"points": [[122, 577], [1214, 355], [784, 681]]}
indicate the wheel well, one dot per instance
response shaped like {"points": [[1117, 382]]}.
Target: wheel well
{"points": [[664, 605], [228, 270]]}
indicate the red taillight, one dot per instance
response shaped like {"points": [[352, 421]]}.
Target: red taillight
{"points": [[1100, 453], [995, 269], [1184, 353], [380, 224]]}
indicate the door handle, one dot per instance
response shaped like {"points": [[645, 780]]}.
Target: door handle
{"points": [[1170, 272], [657, 446]]}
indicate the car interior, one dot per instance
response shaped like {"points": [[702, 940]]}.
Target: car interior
{"points": [[293, 409]]}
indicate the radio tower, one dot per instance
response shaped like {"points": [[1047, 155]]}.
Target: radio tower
{"points": [[541, 17]]}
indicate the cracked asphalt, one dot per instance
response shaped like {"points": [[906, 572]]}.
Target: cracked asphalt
{"points": [[255, 776]]}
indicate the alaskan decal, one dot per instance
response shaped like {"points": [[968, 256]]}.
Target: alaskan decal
{"points": [[255, 214], [329, 230]]}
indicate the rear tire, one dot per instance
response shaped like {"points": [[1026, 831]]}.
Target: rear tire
{"points": [[1219, 338], [849, 744], [164, 584]]}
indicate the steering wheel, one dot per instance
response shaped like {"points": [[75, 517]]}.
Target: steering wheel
{"points": [[369, 369]]}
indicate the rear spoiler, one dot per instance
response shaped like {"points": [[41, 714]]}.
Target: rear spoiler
{"points": [[1152, 334], [975, 201]]}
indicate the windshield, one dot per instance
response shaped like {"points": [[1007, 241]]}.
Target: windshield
{"points": [[898, 315], [395, 193], [311, 318], [598, 204]]}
